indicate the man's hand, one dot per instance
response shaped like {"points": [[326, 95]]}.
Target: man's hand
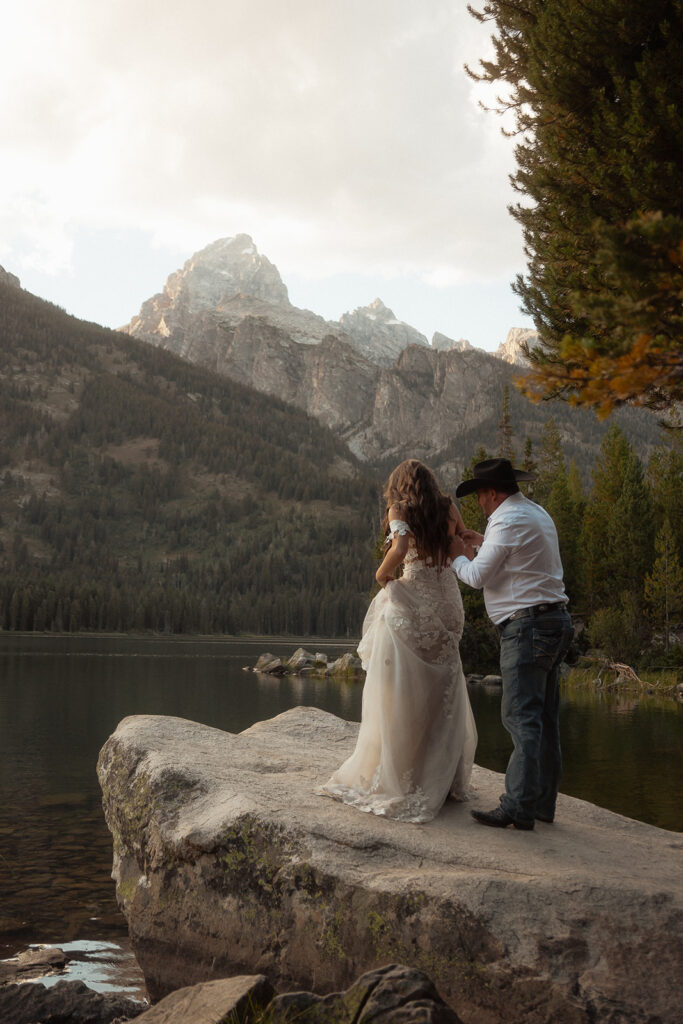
{"points": [[461, 545], [476, 539]]}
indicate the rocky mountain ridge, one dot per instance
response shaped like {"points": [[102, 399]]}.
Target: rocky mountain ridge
{"points": [[230, 279], [374, 380], [512, 349]]}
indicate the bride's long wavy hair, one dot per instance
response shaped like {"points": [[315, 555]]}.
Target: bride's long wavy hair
{"points": [[413, 487]]}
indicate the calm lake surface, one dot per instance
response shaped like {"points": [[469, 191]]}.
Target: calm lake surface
{"points": [[61, 697]]}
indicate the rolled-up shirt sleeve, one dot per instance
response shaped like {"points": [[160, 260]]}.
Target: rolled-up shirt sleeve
{"points": [[482, 569]]}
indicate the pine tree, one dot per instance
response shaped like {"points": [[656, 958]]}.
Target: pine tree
{"points": [[506, 447], [529, 465], [664, 585], [600, 169], [575, 486], [550, 462], [665, 475], [616, 539], [567, 518]]}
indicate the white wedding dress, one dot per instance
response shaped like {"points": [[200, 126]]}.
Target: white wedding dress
{"points": [[417, 734]]}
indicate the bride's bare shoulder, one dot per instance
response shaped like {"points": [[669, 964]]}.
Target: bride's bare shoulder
{"points": [[398, 510]]}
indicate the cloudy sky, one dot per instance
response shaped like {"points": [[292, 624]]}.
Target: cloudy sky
{"points": [[343, 136]]}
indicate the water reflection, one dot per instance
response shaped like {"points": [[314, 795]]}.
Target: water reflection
{"points": [[102, 966], [312, 691]]}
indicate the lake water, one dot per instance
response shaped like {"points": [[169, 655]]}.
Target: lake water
{"points": [[61, 697]]}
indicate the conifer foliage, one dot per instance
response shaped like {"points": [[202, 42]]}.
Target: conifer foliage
{"points": [[597, 92], [620, 541]]}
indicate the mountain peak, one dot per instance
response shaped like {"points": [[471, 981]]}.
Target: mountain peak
{"points": [[511, 351], [7, 278], [377, 306], [211, 278], [226, 268], [377, 333], [442, 343], [229, 248]]}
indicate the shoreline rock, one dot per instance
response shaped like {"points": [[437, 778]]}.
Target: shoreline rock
{"points": [[227, 862], [72, 1001], [33, 963], [302, 662]]}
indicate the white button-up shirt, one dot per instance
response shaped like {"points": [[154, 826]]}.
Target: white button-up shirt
{"points": [[518, 564]]}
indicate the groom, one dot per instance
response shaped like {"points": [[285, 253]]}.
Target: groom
{"points": [[518, 565]]}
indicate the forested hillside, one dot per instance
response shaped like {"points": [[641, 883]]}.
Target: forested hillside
{"points": [[140, 492]]}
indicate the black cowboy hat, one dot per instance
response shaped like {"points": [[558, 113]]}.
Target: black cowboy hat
{"points": [[492, 473]]}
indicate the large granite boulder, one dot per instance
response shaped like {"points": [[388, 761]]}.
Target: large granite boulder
{"points": [[227, 862]]}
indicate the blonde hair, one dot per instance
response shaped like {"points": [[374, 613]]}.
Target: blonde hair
{"points": [[413, 488]]}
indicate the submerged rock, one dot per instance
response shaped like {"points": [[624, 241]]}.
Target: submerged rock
{"points": [[226, 862]]}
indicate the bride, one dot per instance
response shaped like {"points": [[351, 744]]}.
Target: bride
{"points": [[417, 734]]}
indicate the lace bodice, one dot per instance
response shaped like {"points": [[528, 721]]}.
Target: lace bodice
{"points": [[399, 528], [435, 622]]}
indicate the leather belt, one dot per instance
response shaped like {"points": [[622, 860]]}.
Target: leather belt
{"points": [[534, 609]]}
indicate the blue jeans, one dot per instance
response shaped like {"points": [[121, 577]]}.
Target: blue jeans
{"points": [[531, 650]]}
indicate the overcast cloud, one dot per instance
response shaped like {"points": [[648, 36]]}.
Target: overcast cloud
{"points": [[344, 137]]}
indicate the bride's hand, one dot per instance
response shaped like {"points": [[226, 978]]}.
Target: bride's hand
{"points": [[472, 537], [461, 545]]}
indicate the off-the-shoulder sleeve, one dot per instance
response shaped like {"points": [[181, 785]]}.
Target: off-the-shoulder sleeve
{"points": [[398, 527]]}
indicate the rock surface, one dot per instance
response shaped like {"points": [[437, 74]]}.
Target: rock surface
{"points": [[302, 662], [511, 351], [67, 1002], [7, 278], [389, 994], [270, 664], [378, 334], [227, 862], [210, 1001], [442, 343], [33, 963]]}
